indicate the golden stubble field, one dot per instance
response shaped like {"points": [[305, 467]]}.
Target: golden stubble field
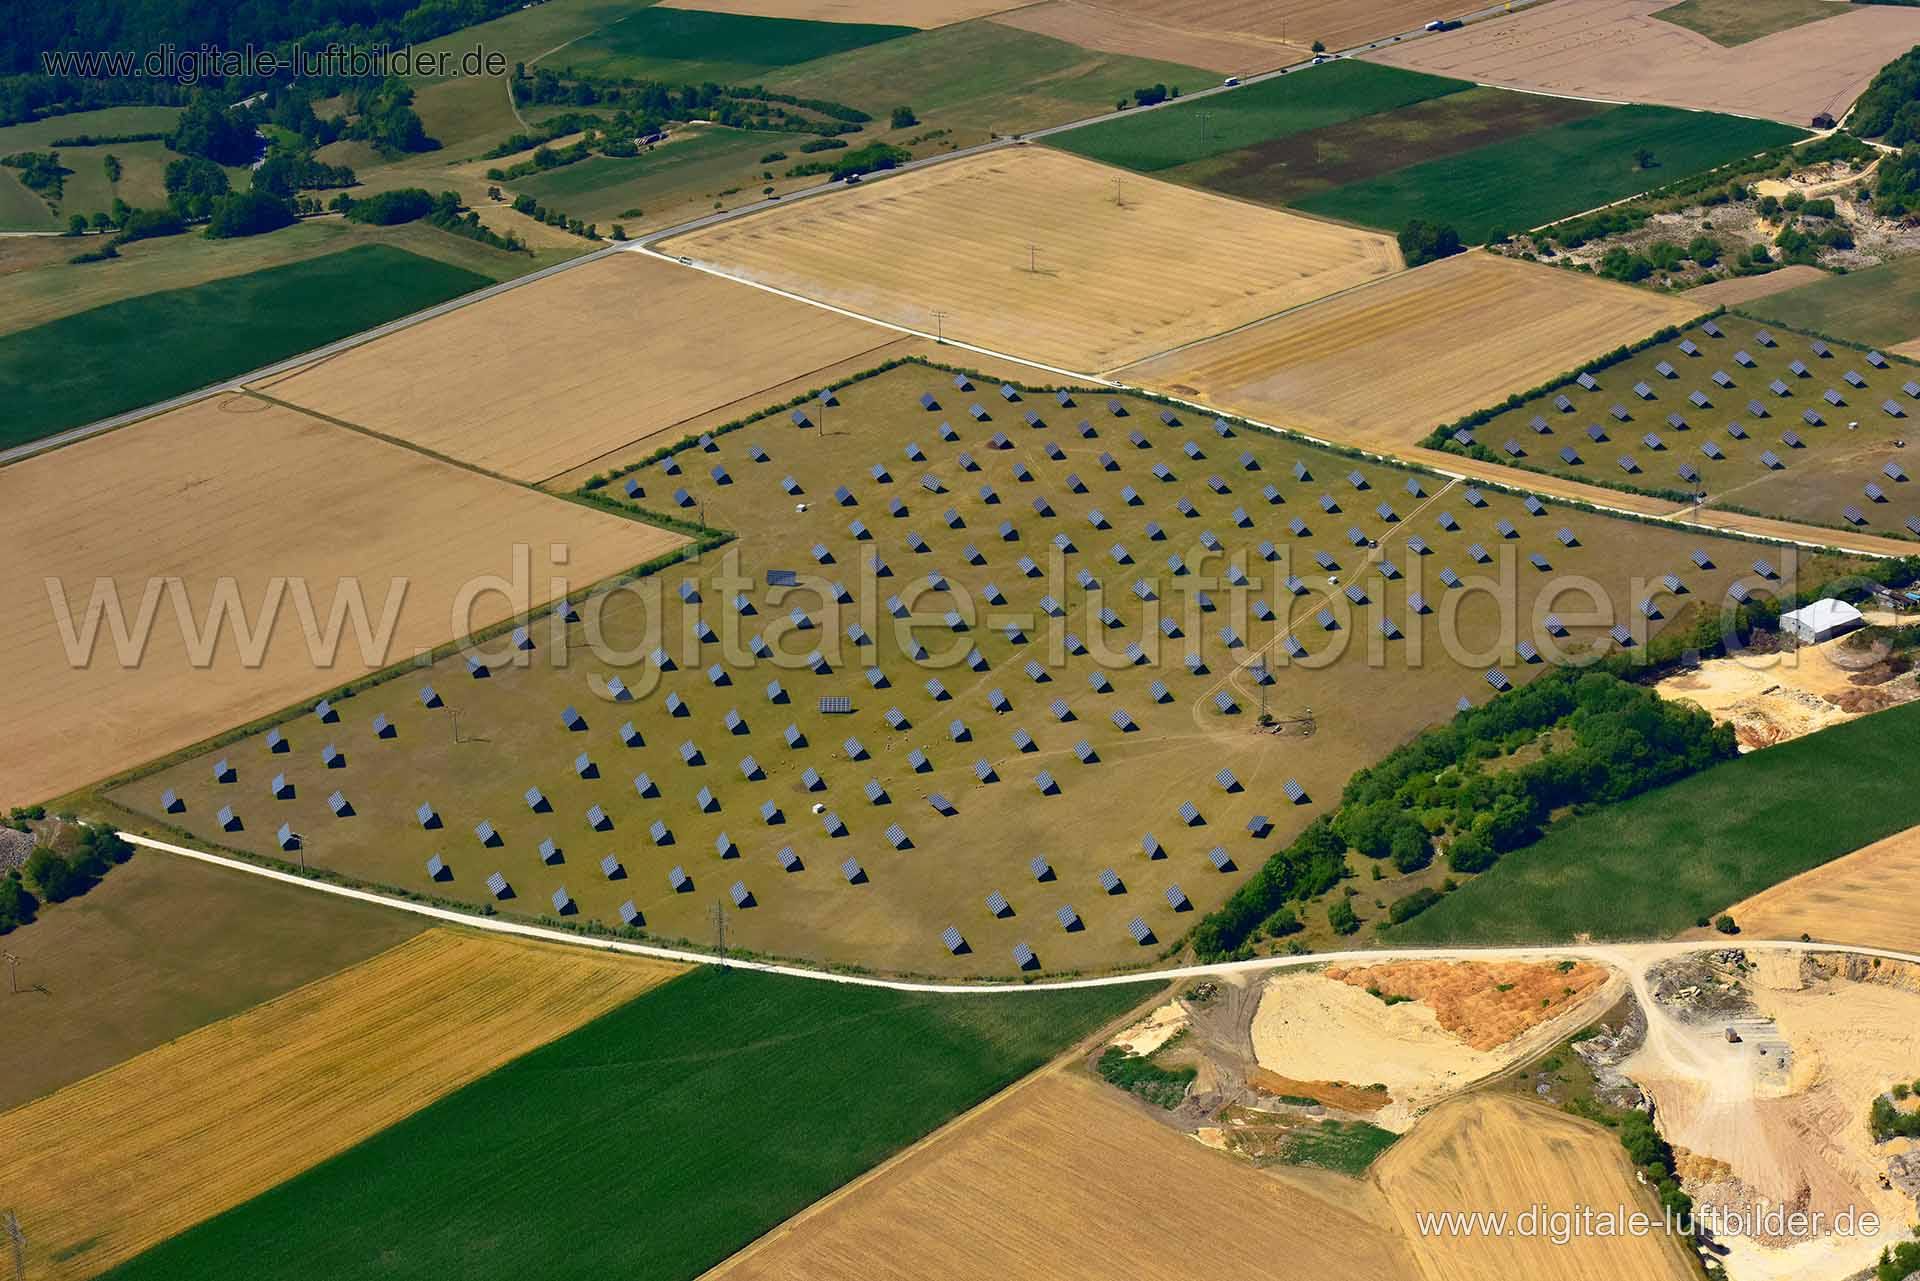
{"points": [[1238, 36], [1856, 899], [107, 1167], [1382, 366], [557, 373], [1026, 251], [1065, 1179], [1618, 50], [924, 14], [1487, 1152], [237, 495]]}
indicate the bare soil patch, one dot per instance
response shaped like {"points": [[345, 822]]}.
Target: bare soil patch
{"points": [[1381, 366], [1485, 1004], [557, 373], [238, 491], [1621, 51], [1027, 251]]}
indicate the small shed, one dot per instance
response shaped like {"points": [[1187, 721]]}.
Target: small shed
{"points": [[1821, 621]]}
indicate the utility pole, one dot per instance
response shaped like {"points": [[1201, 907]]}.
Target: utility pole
{"points": [[1033, 258], [719, 915], [939, 327], [13, 973], [19, 1241], [1206, 118], [1118, 203]]}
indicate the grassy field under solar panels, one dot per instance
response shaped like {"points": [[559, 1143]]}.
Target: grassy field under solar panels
{"points": [[1683, 413], [1352, 693]]}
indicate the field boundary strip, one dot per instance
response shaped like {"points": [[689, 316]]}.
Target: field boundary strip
{"points": [[1610, 953]]}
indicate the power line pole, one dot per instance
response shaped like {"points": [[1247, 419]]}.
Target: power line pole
{"points": [[939, 327], [13, 973], [1119, 203], [19, 1241], [1033, 258]]}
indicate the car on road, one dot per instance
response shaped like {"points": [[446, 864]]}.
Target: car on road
{"points": [[1231, 81]]}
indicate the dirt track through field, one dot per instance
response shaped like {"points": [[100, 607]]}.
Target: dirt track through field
{"points": [[1285, 29], [233, 489], [545, 378], [905, 13], [1026, 251], [123, 1160], [1617, 49], [1383, 365]]}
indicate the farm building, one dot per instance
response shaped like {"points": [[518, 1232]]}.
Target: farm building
{"points": [[1820, 621]]}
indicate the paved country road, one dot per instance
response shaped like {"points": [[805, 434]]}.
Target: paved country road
{"points": [[1630, 958]]}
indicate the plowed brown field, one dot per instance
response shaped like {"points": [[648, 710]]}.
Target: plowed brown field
{"points": [[105, 1168], [1026, 252], [905, 13], [1384, 365]]}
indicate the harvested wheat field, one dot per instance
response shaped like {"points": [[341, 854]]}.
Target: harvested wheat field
{"points": [[1384, 365], [1137, 32], [1284, 29], [557, 373], [1619, 51], [1864, 898], [1026, 252], [113, 1164], [1063, 1178], [1491, 1153], [903, 13], [1735, 290], [1484, 1003], [274, 510], [1329, 1027]]}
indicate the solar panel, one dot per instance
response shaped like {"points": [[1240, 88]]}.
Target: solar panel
{"points": [[1068, 918], [1497, 678], [1526, 651], [1218, 857], [1189, 813]]}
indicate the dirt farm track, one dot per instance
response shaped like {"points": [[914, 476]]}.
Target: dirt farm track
{"points": [[1026, 251], [1617, 50]]}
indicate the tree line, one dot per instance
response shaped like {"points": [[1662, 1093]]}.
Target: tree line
{"points": [[77, 858]]}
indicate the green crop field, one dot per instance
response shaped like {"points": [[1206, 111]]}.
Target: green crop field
{"points": [[1734, 22], [1877, 305], [981, 77], [720, 687], [1524, 182], [692, 45], [1285, 170], [600, 188], [1654, 865], [650, 1144], [22, 209], [1327, 95], [1816, 479], [130, 353]]}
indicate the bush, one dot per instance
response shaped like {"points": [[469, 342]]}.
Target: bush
{"points": [[389, 208], [247, 213], [17, 906], [1725, 925], [1405, 909], [1340, 916], [1423, 241], [903, 118]]}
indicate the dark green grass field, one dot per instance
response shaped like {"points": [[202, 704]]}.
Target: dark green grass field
{"points": [[1523, 182], [132, 353], [1652, 866], [1326, 95], [692, 45], [651, 1143], [1878, 305]]}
